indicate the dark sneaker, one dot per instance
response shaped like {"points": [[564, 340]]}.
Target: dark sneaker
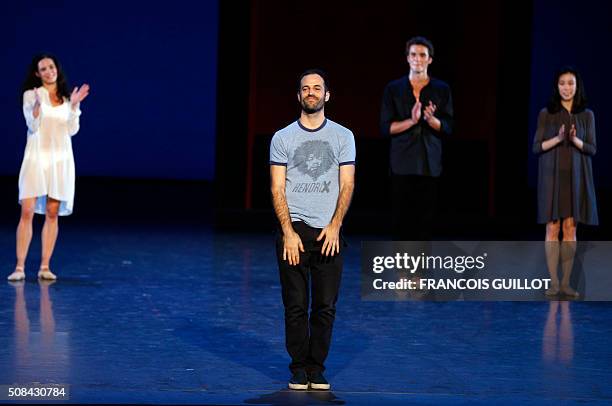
{"points": [[299, 381], [318, 381]]}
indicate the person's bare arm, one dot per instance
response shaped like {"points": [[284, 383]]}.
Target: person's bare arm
{"points": [[404, 125], [331, 232], [292, 244]]}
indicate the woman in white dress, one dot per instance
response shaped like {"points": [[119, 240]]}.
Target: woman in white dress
{"points": [[46, 179]]}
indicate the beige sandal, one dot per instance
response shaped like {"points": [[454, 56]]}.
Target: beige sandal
{"points": [[17, 275], [45, 273]]}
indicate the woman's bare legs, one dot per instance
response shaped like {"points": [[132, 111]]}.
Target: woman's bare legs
{"points": [[24, 237], [568, 252], [49, 237], [551, 246]]}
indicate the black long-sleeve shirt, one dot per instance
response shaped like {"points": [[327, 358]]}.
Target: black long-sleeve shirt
{"points": [[418, 150]]}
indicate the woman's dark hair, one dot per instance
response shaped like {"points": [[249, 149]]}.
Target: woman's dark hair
{"points": [[580, 100], [31, 81]]}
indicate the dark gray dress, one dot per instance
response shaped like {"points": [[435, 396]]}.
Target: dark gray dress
{"points": [[565, 174]]}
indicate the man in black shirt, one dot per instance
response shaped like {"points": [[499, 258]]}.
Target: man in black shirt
{"points": [[417, 112]]}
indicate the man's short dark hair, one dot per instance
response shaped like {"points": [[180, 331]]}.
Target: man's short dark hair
{"points": [[420, 41], [314, 71]]}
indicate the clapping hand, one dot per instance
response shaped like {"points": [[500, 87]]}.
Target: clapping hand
{"points": [[572, 132], [429, 111], [561, 134], [36, 97], [416, 111], [79, 94], [36, 109], [574, 138]]}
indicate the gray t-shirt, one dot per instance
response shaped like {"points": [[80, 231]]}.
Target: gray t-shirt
{"points": [[313, 159]]}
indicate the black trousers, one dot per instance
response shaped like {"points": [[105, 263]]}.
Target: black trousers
{"points": [[317, 276], [414, 199]]}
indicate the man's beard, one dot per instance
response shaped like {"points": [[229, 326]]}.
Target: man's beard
{"points": [[312, 109]]}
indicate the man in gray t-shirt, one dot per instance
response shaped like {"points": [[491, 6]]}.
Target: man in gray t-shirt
{"points": [[313, 159], [312, 169]]}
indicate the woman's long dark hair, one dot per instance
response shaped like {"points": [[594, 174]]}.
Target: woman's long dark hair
{"points": [[31, 81], [580, 100]]}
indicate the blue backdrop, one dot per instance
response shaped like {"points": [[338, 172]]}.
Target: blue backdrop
{"points": [[152, 70]]}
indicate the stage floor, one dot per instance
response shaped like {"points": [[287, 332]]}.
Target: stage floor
{"points": [[186, 315]]}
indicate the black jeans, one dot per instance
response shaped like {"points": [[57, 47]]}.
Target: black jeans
{"points": [[308, 339], [414, 199]]}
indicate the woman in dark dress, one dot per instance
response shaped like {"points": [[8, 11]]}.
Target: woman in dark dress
{"points": [[565, 142]]}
